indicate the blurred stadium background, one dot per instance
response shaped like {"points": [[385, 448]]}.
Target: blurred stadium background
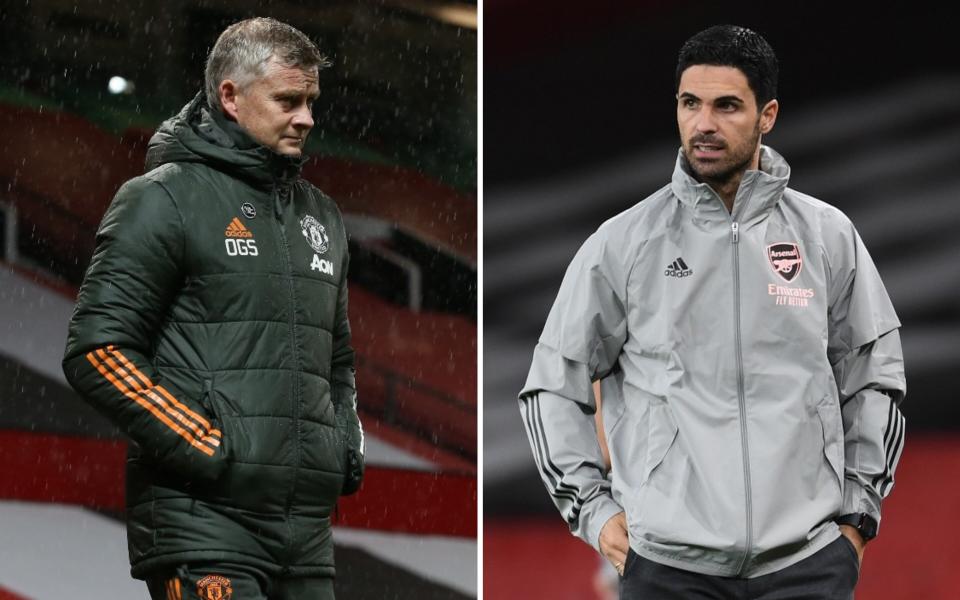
{"points": [[580, 125], [395, 145]]}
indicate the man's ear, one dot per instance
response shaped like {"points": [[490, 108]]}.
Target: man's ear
{"points": [[768, 116], [228, 91]]}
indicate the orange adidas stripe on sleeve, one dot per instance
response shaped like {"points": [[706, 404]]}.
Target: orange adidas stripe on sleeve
{"points": [[147, 405], [212, 435], [149, 384], [148, 392]]}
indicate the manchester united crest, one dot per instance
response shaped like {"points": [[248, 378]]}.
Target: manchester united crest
{"points": [[315, 233], [785, 259], [214, 587]]}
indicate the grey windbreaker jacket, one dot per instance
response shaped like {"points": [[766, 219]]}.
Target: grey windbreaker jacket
{"points": [[751, 376]]}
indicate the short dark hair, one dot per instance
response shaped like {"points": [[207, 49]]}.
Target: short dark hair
{"points": [[734, 46]]}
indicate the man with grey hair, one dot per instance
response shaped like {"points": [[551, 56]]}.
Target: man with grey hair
{"points": [[212, 329]]}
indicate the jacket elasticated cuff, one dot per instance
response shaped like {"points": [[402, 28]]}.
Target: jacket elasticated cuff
{"points": [[858, 498], [595, 515]]}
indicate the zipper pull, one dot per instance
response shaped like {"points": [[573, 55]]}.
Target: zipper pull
{"points": [[735, 229]]}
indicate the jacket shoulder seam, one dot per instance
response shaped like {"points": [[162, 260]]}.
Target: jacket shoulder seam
{"points": [[645, 205], [159, 183]]}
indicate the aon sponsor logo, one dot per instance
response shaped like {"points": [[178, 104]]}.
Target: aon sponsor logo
{"points": [[322, 265], [241, 247]]}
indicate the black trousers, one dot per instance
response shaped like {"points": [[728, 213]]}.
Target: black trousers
{"points": [[830, 574], [222, 581]]}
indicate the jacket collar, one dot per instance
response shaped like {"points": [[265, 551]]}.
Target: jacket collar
{"points": [[199, 135], [759, 191]]}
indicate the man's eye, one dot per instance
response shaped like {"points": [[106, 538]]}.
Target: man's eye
{"points": [[689, 103]]}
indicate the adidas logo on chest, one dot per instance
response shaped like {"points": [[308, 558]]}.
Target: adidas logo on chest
{"points": [[238, 240], [678, 268]]}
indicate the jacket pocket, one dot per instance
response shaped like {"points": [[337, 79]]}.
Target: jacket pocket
{"points": [[207, 402], [211, 406], [611, 401], [661, 433], [831, 423]]}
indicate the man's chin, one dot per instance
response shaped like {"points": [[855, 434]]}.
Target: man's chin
{"points": [[700, 164], [709, 169], [291, 151]]}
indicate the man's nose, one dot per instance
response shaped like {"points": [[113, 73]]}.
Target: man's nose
{"points": [[705, 121], [303, 118]]}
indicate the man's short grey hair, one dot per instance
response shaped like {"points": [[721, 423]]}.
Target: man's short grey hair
{"points": [[244, 49]]}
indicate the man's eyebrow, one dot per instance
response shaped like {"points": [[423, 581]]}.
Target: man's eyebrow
{"points": [[720, 99], [734, 99], [293, 93]]}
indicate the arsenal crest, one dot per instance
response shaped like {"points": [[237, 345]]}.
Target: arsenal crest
{"points": [[315, 233], [214, 587], [785, 259]]}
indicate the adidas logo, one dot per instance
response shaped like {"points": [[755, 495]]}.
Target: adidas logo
{"points": [[236, 229], [678, 268]]}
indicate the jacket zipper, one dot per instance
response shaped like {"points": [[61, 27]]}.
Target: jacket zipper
{"points": [[278, 210], [744, 440]]}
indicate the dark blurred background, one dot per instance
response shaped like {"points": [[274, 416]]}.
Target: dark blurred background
{"points": [[580, 125], [83, 85]]}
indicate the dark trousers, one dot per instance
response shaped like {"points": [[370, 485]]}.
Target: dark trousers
{"points": [[830, 574], [220, 581]]}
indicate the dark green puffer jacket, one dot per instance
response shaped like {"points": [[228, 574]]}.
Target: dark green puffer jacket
{"points": [[212, 328]]}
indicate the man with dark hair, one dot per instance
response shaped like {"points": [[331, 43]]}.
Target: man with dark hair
{"points": [[211, 327], [749, 361]]}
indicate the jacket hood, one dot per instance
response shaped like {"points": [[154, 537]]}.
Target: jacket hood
{"points": [[760, 189], [196, 135]]}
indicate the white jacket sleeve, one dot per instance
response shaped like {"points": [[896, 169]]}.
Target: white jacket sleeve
{"points": [[864, 350], [580, 343]]}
